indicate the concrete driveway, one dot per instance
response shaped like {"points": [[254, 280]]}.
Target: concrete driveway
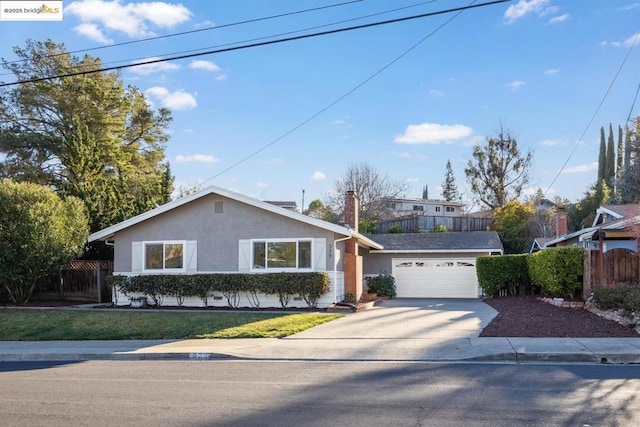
{"points": [[409, 318]]}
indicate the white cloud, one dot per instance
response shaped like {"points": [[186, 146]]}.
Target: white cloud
{"points": [[157, 67], [631, 6], [92, 32], [412, 180], [557, 19], [524, 7], [551, 72], [204, 65], [318, 176], [626, 43], [515, 85], [581, 168], [262, 185], [551, 143], [221, 77], [178, 100], [133, 19], [197, 158], [436, 93], [432, 133]]}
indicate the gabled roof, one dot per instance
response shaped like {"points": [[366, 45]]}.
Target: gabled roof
{"points": [[615, 212], [109, 232], [570, 236], [463, 241]]}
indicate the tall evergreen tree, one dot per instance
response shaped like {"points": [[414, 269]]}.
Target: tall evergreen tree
{"points": [[425, 192], [449, 187], [610, 169], [88, 136], [619, 166], [602, 157]]}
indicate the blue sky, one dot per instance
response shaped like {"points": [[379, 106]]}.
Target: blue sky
{"points": [[539, 67]]}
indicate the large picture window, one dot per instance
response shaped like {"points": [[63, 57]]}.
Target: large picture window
{"points": [[164, 256], [282, 254]]}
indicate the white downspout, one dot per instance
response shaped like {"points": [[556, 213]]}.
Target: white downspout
{"points": [[335, 268]]}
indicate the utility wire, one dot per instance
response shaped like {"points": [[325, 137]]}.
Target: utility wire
{"points": [[595, 113], [633, 104], [265, 43], [215, 27], [349, 92], [146, 58]]}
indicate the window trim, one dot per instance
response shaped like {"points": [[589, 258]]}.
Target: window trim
{"points": [[283, 240], [164, 243]]}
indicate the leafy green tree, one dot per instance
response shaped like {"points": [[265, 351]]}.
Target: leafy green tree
{"points": [[39, 231], [498, 171], [319, 210], [87, 136], [619, 165], [372, 187], [582, 214], [449, 187], [542, 223], [512, 221]]}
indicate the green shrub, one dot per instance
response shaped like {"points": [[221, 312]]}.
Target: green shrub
{"points": [[310, 286], [350, 298], [504, 272], [558, 271], [383, 284], [439, 228], [395, 229], [621, 296]]}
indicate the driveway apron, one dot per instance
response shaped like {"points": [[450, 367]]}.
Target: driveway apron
{"points": [[409, 318]]}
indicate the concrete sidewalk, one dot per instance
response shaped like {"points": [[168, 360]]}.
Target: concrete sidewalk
{"points": [[505, 350]]}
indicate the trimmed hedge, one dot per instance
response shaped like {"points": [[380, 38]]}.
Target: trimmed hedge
{"points": [[309, 286], [505, 272], [558, 271]]}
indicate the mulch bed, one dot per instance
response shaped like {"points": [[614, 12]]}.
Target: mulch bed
{"points": [[527, 316]]}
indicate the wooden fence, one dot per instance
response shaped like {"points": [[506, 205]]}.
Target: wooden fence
{"points": [[417, 223], [614, 266], [76, 281]]}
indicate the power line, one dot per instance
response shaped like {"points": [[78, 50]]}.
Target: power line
{"points": [[254, 39], [265, 43], [345, 95], [595, 113], [215, 27]]}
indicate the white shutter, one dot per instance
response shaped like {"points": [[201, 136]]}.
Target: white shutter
{"points": [[192, 256], [136, 257], [320, 254], [244, 255]]}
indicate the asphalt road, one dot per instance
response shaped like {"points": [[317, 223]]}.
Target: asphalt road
{"points": [[248, 393]]}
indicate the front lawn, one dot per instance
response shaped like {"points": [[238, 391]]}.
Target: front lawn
{"points": [[52, 325]]}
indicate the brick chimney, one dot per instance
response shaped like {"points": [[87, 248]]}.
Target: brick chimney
{"points": [[562, 226], [351, 207], [352, 264]]}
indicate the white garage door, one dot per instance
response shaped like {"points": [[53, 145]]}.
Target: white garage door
{"points": [[435, 278]]}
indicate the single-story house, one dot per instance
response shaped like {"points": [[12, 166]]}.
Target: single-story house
{"points": [[220, 231], [614, 226]]}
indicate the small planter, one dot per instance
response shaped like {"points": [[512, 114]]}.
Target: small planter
{"points": [[138, 302]]}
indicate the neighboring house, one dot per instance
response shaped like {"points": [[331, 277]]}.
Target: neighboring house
{"points": [[400, 207], [614, 226], [423, 215], [220, 231], [289, 205]]}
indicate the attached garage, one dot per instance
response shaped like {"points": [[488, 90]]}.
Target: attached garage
{"points": [[432, 265], [435, 278]]}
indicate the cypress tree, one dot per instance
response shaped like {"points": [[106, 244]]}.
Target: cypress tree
{"points": [[610, 168], [602, 157]]}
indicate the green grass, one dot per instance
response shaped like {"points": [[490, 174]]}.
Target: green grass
{"points": [[53, 325]]}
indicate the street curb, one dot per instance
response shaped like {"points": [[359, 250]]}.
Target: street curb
{"points": [[509, 358]]}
